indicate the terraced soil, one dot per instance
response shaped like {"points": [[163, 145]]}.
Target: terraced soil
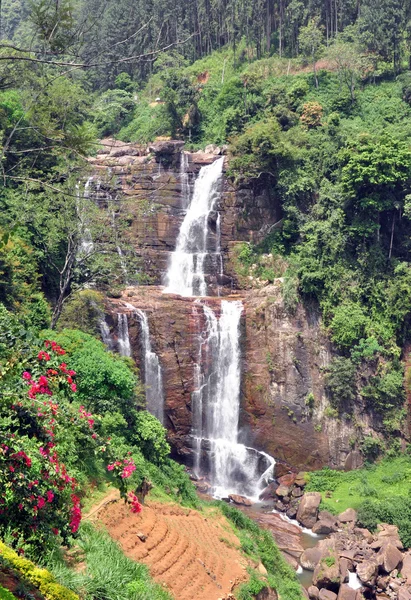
{"points": [[196, 556]]}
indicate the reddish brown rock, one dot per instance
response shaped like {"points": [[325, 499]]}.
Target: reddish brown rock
{"points": [[389, 557], [241, 500], [406, 568], [348, 516], [327, 595], [268, 492], [308, 509], [367, 571], [313, 592], [347, 593], [282, 491], [286, 535], [287, 480]]}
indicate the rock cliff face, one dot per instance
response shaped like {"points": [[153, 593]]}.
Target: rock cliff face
{"points": [[150, 186], [284, 404]]}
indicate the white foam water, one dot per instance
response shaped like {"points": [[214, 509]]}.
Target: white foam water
{"points": [[185, 275], [123, 340]]}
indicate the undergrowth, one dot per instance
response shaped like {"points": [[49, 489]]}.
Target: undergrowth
{"points": [[379, 492], [260, 545]]}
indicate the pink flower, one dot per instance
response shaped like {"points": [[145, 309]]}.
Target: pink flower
{"points": [[110, 467], [50, 496], [73, 387], [40, 502], [26, 375]]}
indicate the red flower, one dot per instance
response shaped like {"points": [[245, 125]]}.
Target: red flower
{"points": [[135, 504], [55, 531], [42, 355], [50, 496], [26, 375], [73, 387], [40, 502]]}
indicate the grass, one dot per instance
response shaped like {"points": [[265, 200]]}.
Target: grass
{"points": [[380, 493], [384, 480], [258, 544], [108, 574]]}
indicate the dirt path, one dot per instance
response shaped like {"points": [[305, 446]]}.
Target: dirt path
{"points": [[196, 556]]}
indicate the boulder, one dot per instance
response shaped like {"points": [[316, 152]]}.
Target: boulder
{"points": [[297, 492], [367, 535], [268, 492], [300, 479], [292, 512], [367, 571], [210, 149], [389, 557], [287, 480], [406, 568], [282, 491], [327, 523], [310, 558], [313, 592], [327, 595], [240, 500], [281, 469], [404, 594], [347, 593], [327, 572], [348, 516], [308, 510]]}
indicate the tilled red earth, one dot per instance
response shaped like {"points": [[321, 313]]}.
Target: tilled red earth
{"points": [[195, 556]]}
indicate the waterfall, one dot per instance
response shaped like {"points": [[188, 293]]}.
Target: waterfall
{"points": [[185, 275], [105, 333], [153, 379], [123, 339], [234, 467], [118, 248], [86, 241], [185, 180]]}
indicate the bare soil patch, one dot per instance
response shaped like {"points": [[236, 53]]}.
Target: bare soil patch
{"points": [[196, 556]]}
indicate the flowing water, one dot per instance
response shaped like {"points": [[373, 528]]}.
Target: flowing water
{"points": [[186, 271], [123, 340], [153, 379], [86, 240], [233, 467]]}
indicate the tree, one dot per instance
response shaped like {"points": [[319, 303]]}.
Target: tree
{"points": [[349, 62], [311, 43]]}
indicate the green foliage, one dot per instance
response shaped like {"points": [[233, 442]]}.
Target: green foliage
{"points": [[113, 110], [106, 382], [82, 311], [348, 325], [40, 578], [340, 381], [150, 436], [260, 544]]}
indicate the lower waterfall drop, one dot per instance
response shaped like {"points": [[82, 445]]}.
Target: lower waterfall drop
{"points": [[153, 379], [233, 467]]}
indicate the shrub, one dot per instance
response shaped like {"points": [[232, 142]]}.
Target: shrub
{"points": [[348, 324], [150, 436], [40, 578], [340, 381]]}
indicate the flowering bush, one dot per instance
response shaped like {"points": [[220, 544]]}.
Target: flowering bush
{"points": [[39, 491]]}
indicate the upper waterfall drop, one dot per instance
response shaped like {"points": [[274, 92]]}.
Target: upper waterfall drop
{"points": [[185, 275], [123, 340]]}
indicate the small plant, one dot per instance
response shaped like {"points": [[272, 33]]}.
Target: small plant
{"points": [[330, 412], [329, 561]]}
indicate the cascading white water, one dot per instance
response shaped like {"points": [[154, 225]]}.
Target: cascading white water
{"points": [[118, 247], [86, 240], [105, 333], [234, 467], [185, 275], [123, 339], [185, 180], [153, 379]]}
